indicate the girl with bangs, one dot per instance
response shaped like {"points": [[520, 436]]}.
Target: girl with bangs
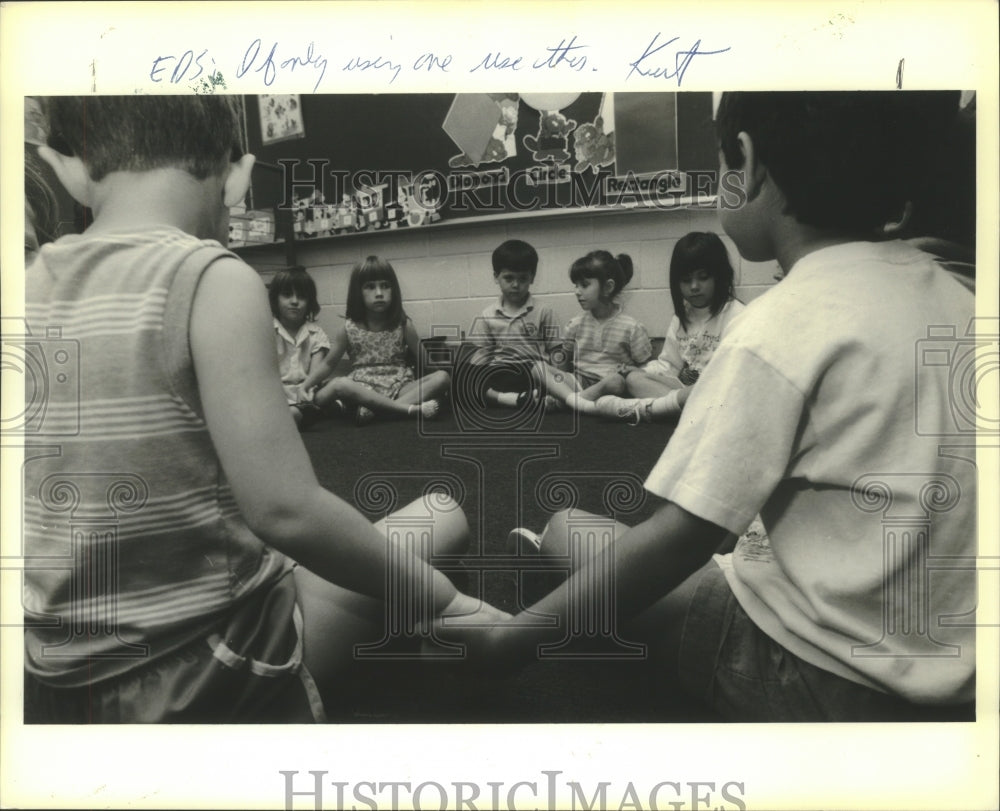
{"points": [[382, 343]]}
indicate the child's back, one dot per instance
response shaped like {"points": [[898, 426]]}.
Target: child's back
{"points": [[169, 552], [150, 483]]}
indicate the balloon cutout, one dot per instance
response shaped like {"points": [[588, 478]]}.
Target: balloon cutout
{"points": [[545, 102]]}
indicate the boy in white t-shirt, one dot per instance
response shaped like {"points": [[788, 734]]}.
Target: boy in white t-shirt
{"points": [[822, 412]]}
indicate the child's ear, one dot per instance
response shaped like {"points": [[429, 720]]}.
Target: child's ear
{"points": [[898, 227], [71, 172], [754, 171], [237, 181], [608, 288]]}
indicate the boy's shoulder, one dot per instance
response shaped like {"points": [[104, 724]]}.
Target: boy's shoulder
{"points": [[135, 256], [492, 310]]}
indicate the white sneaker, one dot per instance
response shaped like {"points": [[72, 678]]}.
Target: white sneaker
{"points": [[624, 409]]}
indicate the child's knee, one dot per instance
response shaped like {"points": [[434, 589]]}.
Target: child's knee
{"points": [[337, 388], [633, 381], [616, 385]]}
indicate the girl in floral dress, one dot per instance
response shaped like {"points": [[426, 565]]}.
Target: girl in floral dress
{"points": [[381, 341]]}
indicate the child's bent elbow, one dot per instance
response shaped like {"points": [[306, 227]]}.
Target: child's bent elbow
{"points": [[277, 523]]}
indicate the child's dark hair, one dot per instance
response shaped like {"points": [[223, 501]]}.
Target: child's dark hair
{"points": [[601, 265], [298, 281], [41, 199], [516, 255], [196, 133], [374, 269], [701, 250], [845, 161]]}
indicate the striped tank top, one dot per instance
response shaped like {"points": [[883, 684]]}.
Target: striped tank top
{"points": [[134, 545]]}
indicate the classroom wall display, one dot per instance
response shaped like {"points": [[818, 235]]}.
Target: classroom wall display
{"points": [[366, 162], [280, 118]]}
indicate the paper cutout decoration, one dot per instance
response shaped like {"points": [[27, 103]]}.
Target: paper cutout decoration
{"points": [[550, 143], [482, 125], [645, 127], [594, 146], [549, 102], [280, 118]]}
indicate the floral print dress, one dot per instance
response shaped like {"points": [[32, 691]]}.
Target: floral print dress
{"points": [[379, 359]]}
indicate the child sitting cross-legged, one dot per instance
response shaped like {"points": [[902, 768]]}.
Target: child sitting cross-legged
{"points": [[382, 343], [602, 345], [232, 587], [513, 334], [701, 287], [300, 340]]}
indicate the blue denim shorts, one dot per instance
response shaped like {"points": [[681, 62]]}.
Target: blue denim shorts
{"points": [[744, 675]]}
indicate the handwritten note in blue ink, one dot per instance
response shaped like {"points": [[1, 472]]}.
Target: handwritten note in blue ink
{"points": [[646, 66], [660, 59], [270, 65]]}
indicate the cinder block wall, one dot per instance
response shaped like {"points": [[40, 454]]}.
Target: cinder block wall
{"points": [[447, 278]]}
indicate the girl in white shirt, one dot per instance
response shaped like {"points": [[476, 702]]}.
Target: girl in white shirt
{"points": [[701, 286]]}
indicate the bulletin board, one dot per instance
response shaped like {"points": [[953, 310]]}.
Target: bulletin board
{"points": [[360, 163]]}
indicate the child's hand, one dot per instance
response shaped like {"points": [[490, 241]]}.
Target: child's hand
{"points": [[689, 376], [477, 625], [471, 609]]}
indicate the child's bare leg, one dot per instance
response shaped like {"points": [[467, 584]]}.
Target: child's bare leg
{"points": [[612, 384], [336, 619], [660, 626], [563, 525], [544, 377], [555, 382], [350, 391], [641, 384], [584, 401], [451, 527], [570, 538], [425, 392]]}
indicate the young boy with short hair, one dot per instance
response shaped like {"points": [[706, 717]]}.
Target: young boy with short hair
{"points": [[167, 488], [820, 412], [515, 332]]}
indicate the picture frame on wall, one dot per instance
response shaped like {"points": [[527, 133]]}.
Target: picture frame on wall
{"points": [[281, 118]]}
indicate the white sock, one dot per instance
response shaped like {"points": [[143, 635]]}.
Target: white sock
{"points": [[668, 403]]}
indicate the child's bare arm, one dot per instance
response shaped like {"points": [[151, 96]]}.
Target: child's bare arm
{"points": [[318, 372], [648, 561], [262, 453], [412, 341]]}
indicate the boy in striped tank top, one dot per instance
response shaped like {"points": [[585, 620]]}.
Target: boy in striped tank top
{"points": [[168, 591]]}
